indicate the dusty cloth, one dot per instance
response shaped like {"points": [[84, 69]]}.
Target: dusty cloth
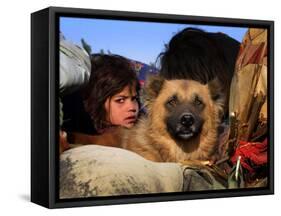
{"points": [[92, 170], [248, 95], [75, 66]]}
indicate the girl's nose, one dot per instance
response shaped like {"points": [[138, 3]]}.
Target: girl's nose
{"points": [[133, 106]]}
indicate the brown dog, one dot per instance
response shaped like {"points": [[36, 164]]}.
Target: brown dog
{"points": [[182, 122]]}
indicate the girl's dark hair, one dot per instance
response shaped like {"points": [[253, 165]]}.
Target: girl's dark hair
{"points": [[110, 74]]}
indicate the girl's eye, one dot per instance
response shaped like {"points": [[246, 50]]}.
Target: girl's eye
{"points": [[120, 100]]}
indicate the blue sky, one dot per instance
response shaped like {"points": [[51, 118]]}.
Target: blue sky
{"points": [[141, 41]]}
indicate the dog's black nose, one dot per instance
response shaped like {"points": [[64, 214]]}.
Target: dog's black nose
{"points": [[187, 120]]}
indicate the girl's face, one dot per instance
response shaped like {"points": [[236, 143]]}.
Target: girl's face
{"points": [[122, 109]]}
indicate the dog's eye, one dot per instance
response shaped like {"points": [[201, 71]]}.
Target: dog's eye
{"points": [[173, 101], [197, 101]]}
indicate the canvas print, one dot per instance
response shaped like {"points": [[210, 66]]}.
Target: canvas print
{"points": [[161, 108]]}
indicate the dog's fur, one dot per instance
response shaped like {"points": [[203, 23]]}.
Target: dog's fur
{"points": [[163, 135]]}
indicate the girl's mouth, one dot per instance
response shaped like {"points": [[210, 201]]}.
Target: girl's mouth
{"points": [[131, 119]]}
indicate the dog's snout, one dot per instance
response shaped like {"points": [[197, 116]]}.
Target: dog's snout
{"points": [[187, 119]]}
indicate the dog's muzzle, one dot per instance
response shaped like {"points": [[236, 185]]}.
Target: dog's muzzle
{"points": [[185, 127]]}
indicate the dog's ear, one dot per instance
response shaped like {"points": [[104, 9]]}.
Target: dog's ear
{"points": [[218, 95], [153, 86], [216, 90]]}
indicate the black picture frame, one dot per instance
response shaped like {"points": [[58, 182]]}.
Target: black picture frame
{"points": [[45, 105]]}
